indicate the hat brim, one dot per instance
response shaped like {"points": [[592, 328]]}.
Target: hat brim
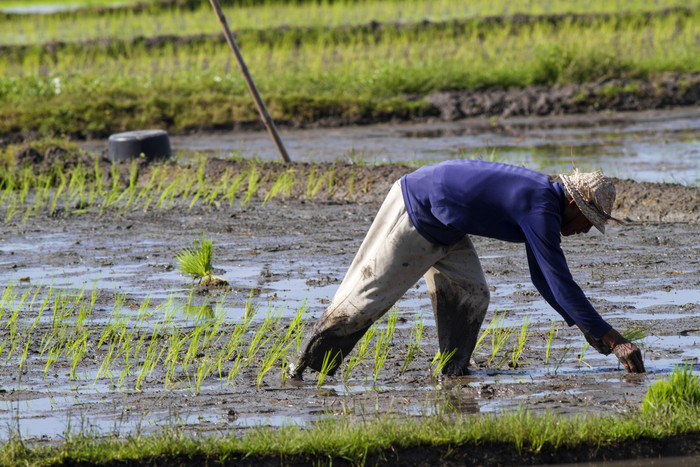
{"points": [[592, 214]]}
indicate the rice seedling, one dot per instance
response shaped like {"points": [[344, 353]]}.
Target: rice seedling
{"points": [[176, 343], [77, 350], [25, 184], [485, 333], [219, 188], [76, 186], [520, 345], [583, 351], [314, 184], [8, 183], [131, 188], [148, 187], [12, 209], [197, 262], [168, 192], [231, 350], [549, 342], [235, 187], [413, 344], [235, 369], [114, 190], [499, 335], [636, 334], [329, 362], [331, 177], [310, 182], [262, 335], [33, 209], [440, 361], [283, 184], [205, 368], [23, 359], [96, 189], [54, 353], [202, 187], [104, 366], [351, 186], [254, 181], [193, 348], [296, 327], [360, 351], [381, 345], [279, 348], [188, 187], [561, 360], [137, 349]]}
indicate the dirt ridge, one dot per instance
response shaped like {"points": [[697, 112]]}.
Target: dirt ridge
{"points": [[368, 184], [636, 201]]}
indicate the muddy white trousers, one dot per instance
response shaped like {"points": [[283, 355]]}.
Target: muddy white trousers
{"points": [[391, 259]]}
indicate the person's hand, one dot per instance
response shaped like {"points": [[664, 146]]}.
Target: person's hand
{"points": [[626, 352], [630, 357], [598, 344]]}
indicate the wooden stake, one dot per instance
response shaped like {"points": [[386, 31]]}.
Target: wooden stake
{"points": [[264, 114]]}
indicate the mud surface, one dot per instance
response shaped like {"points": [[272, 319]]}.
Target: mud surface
{"points": [[643, 274]]}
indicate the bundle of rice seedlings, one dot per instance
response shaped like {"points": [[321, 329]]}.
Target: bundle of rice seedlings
{"points": [[196, 262]]}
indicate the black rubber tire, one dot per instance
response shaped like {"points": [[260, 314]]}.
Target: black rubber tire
{"points": [[153, 144]]}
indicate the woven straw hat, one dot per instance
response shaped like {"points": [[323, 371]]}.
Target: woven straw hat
{"points": [[594, 194]]}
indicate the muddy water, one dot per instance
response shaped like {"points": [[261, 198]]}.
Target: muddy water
{"points": [[653, 146], [294, 253]]}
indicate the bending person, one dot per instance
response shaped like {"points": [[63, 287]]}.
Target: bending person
{"points": [[423, 228]]}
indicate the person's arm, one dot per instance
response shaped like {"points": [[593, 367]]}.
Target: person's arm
{"points": [[551, 276], [626, 352], [540, 284]]}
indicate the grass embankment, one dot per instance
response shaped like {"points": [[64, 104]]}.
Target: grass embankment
{"points": [[310, 74], [670, 414]]}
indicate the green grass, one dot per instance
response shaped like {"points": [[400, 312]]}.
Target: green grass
{"points": [[520, 432], [680, 391], [125, 23], [314, 72]]}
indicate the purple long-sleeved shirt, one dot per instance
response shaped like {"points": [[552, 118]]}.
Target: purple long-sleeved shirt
{"points": [[448, 200]]}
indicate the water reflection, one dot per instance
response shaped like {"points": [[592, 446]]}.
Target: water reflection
{"points": [[659, 146]]}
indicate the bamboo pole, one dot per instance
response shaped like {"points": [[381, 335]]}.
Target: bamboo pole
{"points": [[264, 114]]}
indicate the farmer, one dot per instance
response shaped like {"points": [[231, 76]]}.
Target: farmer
{"points": [[423, 228]]}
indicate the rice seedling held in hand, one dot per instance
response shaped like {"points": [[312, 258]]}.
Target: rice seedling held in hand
{"points": [[196, 262]]}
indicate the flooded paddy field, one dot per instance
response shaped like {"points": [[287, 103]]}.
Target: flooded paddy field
{"points": [[645, 146], [128, 319]]}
